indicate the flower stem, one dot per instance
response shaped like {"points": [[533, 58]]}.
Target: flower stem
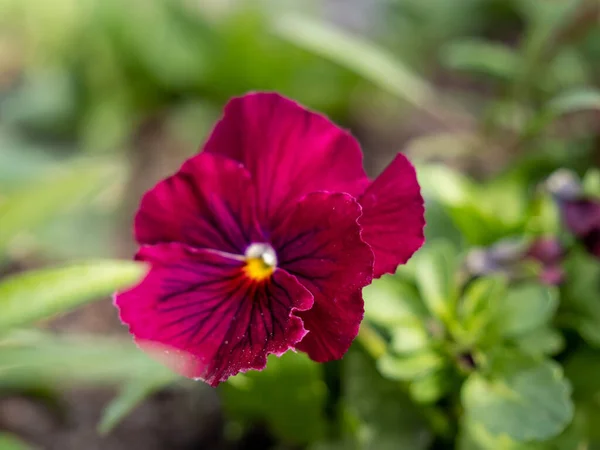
{"points": [[371, 341]]}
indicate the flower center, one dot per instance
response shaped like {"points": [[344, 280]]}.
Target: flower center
{"points": [[261, 261]]}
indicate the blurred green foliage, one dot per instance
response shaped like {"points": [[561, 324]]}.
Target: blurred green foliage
{"points": [[504, 93]]}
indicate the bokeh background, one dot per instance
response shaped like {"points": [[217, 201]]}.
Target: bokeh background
{"points": [[99, 99]]}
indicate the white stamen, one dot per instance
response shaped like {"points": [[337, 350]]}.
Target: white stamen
{"points": [[262, 251]]}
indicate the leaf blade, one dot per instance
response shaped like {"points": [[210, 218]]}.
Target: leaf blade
{"points": [[39, 294]]}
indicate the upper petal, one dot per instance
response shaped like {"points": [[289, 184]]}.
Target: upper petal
{"points": [[208, 203], [320, 245], [289, 151], [393, 217], [199, 305]]}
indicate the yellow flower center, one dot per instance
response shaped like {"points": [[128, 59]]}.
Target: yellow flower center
{"points": [[261, 262]]}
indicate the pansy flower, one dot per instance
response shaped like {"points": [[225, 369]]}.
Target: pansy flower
{"points": [[263, 242], [508, 257], [580, 212]]}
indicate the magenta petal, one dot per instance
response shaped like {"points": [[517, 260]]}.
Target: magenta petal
{"points": [[320, 245], [209, 203], [393, 216], [199, 304], [289, 151]]}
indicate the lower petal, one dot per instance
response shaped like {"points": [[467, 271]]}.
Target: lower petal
{"points": [[320, 244], [393, 216], [199, 305]]}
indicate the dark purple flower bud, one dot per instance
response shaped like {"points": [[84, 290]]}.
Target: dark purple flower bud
{"points": [[592, 242], [580, 213], [549, 253], [509, 257], [546, 250], [581, 216], [500, 258]]}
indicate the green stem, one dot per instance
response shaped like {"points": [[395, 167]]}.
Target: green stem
{"points": [[371, 341]]}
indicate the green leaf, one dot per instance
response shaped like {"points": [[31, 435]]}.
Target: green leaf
{"points": [[476, 437], [521, 397], [525, 308], [40, 294], [289, 396], [473, 207], [410, 366], [435, 268], [582, 368], [541, 341], [11, 442], [30, 207], [447, 185], [579, 298], [132, 394], [42, 359], [409, 337], [389, 302], [387, 418], [591, 183], [433, 386], [346, 443], [478, 305], [580, 99], [489, 58], [439, 223], [362, 57]]}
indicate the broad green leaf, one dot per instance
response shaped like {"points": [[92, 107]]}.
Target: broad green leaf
{"points": [[435, 267], [488, 58], [387, 418], [449, 186], [476, 437], [45, 102], [439, 224], [11, 442], [433, 386], [591, 182], [579, 296], [389, 301], [362, 57], [40, 294], [86, 360], [289, 396], [21, 160], [572, 101], [473, 207], [132, 394], [508, 195], [26, 209], [541, 341], [525, 308], [478, 304], [410, 366], [409, 337], [567, 102], [523, 398], [582, 368], [346, 443]]}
